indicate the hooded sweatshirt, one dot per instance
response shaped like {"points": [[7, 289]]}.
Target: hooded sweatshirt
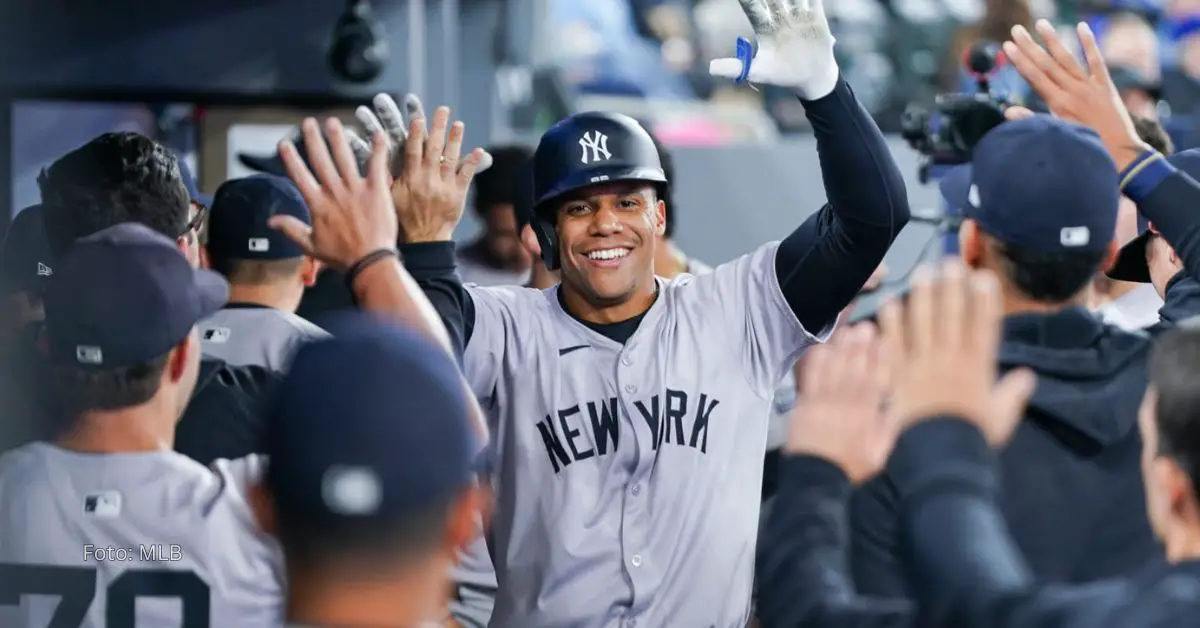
{"points": [[1071, 479], [225, 417]]}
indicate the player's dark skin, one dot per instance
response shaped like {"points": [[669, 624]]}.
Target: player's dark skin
{"points": [[624, 219]]}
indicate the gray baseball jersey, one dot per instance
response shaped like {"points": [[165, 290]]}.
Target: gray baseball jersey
{"points": [[628, 476], [145, 539], [475, 578], [263, 336]]}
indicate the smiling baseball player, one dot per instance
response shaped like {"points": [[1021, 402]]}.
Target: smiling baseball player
{"points": [[629, 412]]}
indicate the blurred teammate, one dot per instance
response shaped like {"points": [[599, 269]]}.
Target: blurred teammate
{"points": [[126, 177], [669, 259], [1039, 202], [497, 257], [372, 501], [267, 274], [1132, 305], [132, 532], [25, 268]]}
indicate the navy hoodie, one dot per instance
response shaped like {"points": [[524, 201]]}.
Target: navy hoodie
{"points": [[1071, 478]]}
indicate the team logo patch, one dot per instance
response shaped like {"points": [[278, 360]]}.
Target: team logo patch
{"points": [[217, 335], [104, 505], [595, 147]]}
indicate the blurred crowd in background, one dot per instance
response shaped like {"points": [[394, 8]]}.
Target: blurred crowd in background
{"points": [[893, 52]]}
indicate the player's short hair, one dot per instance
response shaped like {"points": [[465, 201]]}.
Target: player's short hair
{"points": [[248, 272], [1048, 277], [498, 185], [1174, 369], [1151, 132], [664, 191], [115, 178], [80, 390], [311, 543]]}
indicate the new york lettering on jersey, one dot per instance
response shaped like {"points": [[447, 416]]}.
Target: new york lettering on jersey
{"points": [[133, 539], [623, 470], [669, 417]]}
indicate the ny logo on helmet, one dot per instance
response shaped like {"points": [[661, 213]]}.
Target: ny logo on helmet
{"points": [[595, 144]]}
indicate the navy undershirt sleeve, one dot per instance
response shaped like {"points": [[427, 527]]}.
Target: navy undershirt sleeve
{"points": [[433, 266], [825, 262]]}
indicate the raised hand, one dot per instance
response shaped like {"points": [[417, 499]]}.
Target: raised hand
{"points": [[386, 118], [840, 415], [1084, 95], [944, 342], [795, 48], [431, 190], [352, 214]]}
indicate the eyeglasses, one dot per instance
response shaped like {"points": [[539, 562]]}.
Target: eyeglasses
{"points": [[195, 225]]}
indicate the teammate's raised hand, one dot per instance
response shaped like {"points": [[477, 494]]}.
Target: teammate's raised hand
{"points": [[386, 117], [431, 190], [944, 342], [1084, 95], [840, 414], [352, 215], [795, 48]]}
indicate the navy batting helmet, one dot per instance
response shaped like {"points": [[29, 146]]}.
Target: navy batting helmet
{"points": [[582, 150]]}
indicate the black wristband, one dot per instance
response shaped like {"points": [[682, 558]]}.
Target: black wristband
{"points": [[365, 262]]}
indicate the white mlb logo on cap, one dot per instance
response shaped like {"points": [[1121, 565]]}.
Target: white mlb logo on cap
{"points": [[260, 245], [1075, 236], [89, 355]]}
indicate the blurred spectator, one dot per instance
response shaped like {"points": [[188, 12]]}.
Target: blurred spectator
{"points": [[1181, 80], [598, 46], [1140, 94], [1127, 39], [497, 257], [998, 19]]}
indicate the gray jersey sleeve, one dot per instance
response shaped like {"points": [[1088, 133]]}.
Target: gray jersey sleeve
{"points": [[502, 315], [764, 332]]}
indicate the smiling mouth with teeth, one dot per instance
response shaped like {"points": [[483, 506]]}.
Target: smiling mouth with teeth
{"points": [[608, 254]]}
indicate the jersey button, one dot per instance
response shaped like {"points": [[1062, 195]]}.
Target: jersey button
{"points": [[630, 388], [637, 488], [636, 560], [626, 361]]}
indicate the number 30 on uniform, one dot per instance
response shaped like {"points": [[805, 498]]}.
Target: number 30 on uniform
{"points": [[76, 589]]}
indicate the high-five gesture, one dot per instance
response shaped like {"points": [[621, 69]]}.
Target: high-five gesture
{"points": [[840, 415], [944, 343], [795, 48], [352, 215], [1084, 95], [386, 118], [431, 190]]}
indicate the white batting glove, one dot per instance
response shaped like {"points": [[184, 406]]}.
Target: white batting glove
{"points": [[387, 118], [795, 48]]}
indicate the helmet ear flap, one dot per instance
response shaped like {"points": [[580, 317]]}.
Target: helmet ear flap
{"points": [[547, 239]]}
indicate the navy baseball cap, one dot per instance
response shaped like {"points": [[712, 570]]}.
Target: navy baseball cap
{"points": [[1041, 184], [125, 295], [1131, 261], [25, 259], [372, 423], [237, 219]]}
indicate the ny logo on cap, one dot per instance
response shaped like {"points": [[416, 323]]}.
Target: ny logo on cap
{"points": [[89, 355], [594, 143], [259, 245], [44, 270]]}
